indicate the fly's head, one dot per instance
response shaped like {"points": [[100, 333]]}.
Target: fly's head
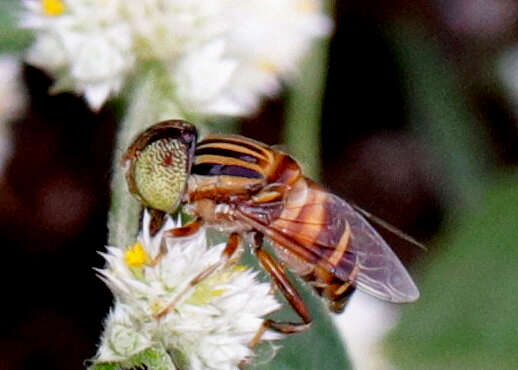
{"points": [[158, 164]]}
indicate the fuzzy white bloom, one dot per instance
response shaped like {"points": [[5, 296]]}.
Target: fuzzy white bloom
{"points": [[221, 56], [210, 323], [12, 101], [86, 44]]}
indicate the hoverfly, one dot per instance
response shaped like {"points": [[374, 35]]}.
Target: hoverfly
{"points": [[239, 185]]}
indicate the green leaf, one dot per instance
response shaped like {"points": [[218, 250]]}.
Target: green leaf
{"points": [[317, 348], [12, 37], [467, 317], [155, 358], [304, 111], [320, 347]]}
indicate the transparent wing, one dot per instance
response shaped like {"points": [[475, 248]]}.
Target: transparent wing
{"points": [[310, 224], [380, 272]]}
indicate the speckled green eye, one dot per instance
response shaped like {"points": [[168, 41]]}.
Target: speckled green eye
{"points": [[158, 163], [161, 174]]}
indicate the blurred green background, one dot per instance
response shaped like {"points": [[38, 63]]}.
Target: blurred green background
{"points": [[405, 110]]}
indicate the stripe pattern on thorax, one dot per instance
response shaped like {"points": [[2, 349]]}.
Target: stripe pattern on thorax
{"points": [[229, 155]]}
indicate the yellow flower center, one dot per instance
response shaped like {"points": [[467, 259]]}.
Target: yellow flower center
{"points": [[205, 291], [53, 7], [203, 294], [156, 306], [136, 255], [239, 268]]}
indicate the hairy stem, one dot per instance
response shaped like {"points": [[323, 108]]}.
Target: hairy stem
{"points": [[150, 102]]}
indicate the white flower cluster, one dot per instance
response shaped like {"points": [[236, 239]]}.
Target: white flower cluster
{"points": [[210, 324], [220, 56], [12, 101]]}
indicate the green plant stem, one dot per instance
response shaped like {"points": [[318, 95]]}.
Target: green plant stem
{"points": [[13, 38], [304, 109], [149, 103]]}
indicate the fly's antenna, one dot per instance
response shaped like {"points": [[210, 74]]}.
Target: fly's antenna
{"points": [[394, 230]]}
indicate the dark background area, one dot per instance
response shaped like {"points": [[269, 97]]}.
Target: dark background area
{"points": [[54, 195]]}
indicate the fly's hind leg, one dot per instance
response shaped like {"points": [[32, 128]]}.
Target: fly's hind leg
{"points": [[275, 270]]}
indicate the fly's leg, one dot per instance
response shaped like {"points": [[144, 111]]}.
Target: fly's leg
{"points": [[187, 230], [233, 243], [275, 270], [290, 293], [157, 220]]}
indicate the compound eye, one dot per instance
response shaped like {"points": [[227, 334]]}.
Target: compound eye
{"points": [[160, 174]]}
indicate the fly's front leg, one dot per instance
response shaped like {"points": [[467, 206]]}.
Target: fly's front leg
{"points": [[157, 220], [233, 243], [275, 270], [187, 230]]}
